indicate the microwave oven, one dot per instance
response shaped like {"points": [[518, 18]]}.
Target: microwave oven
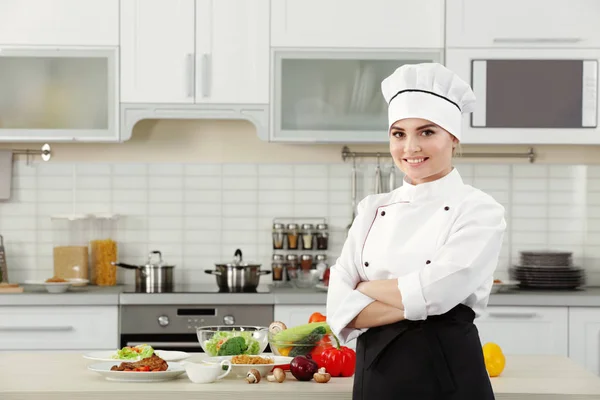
{"points": [[530, 96]]}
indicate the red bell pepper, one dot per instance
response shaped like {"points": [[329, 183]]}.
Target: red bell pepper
{"points": [[339, 361], [317, 317]]}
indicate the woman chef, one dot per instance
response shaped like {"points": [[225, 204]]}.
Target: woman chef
{"points": [[418, 263]]}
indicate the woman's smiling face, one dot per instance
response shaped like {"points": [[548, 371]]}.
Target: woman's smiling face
{"points": [[421, 149]]}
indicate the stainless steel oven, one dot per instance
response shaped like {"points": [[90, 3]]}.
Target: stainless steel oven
{"points": [[173, 327]]}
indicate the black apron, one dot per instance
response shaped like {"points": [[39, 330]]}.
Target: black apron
{"points": [[439, 358]]}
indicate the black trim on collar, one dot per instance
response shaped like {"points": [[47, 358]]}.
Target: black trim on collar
{"points": [[425, 91]]}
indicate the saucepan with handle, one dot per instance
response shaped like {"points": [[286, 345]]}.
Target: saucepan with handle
{"points": [[153, 277], [237, 276]]}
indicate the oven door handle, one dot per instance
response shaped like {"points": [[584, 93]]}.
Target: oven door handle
{"points": [[165, 345]]}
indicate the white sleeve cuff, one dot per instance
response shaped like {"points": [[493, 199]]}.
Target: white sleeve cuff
{"points": [[412, 297], [352, 305]]}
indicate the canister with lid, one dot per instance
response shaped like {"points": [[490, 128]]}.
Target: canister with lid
{"points": [[71, 237], [103, 247], [291, 266], [321, 264]]}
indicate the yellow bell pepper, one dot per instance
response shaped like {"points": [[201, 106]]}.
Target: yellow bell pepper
{"points": [[494, 359]]}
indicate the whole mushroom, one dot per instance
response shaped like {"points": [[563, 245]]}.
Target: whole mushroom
{"points": [[278, 376], [253, 376], [322, 376]]}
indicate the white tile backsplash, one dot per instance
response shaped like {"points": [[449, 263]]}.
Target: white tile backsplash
{"points": [[198, 214]]}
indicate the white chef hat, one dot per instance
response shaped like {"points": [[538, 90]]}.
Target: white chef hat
{"points": [[429, 91]]}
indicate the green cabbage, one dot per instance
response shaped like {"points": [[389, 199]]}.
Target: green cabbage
{"points": [[211, 345]]}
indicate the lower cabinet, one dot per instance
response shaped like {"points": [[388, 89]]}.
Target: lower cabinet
{"points": [[526, 330], [59, 328], [584, 337]]}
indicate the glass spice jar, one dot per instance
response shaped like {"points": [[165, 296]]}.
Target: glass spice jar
{"points": [[291, 267], [322, 237], [278, 236], [292, 236], [277, 267], [306, 262], [321, 264], [307, 236]]}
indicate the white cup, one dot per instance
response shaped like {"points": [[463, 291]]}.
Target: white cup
{"points": [[206, 373]]}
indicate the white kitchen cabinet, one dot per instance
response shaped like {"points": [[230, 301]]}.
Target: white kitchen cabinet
{"points": [[512, 23], [59, 22], [584, 337], [390, 24], [195, 51], [232, 51], [59, 328], [526, 330], [157, 51]]}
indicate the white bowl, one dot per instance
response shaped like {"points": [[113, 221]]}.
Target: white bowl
{"points": [[51, 287], [240, 370]]}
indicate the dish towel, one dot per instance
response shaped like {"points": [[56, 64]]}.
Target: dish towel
{"points": [[6, 162]]}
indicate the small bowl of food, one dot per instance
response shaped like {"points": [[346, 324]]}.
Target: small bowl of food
{"points": [[233, 340], [52, 285], [241, 364]]}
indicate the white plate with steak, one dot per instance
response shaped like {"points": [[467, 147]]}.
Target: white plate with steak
{"points": [[151, 369]]}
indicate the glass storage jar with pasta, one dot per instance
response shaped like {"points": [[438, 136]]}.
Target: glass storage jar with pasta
{"points": [[104, 249], [70, 236]]}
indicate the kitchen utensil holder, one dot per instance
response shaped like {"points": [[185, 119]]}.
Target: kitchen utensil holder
{"points": [[531, 155]]}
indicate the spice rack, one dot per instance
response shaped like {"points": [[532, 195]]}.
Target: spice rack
{"points": [[299, 244]]}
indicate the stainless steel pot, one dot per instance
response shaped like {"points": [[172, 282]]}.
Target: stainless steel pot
{"points": [[152, 277], [237, 276]]}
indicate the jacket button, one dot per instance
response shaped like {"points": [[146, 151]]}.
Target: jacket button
{"points": [[382, 213], [446, 208], [366, 264], [428, 262]]}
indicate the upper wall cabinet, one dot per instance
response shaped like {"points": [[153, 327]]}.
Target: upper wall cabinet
{"points": [[59, 22], [391, 24], [157, 51], [195, 51], [232, 51], [513, 23]]}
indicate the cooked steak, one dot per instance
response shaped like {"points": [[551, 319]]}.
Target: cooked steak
{"points": [[153, 363]]}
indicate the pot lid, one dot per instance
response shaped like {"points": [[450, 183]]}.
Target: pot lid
{"points": [[237, 261], [160, 262]]}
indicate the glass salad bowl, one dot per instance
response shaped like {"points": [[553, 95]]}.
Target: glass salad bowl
{"points": [[251, 340]]}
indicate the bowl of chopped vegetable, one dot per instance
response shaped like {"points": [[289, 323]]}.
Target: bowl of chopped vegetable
{"points": [[233, 340]]}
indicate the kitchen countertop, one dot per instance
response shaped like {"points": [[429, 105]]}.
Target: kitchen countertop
{"points": [[55, 375], [96, 295]]}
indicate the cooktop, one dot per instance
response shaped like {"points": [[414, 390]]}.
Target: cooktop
{"points": [[202, 288]]}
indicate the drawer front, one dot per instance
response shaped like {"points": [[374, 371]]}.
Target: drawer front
{"points": [[526, 330], [65, 328]]}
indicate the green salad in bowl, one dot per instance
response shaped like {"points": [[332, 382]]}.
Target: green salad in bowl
{"points": [[233, 340]]}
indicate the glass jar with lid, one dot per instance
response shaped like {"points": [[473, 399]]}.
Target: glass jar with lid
{"points": [[277, 266], [292, 236], [307, 236], [103, 248], [306, 262], [70, 237], [278, 236], [321, 264], [322, 236], [291, 266]]}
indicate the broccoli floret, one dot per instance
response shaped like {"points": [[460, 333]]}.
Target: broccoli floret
{"points": [[233, 347]]}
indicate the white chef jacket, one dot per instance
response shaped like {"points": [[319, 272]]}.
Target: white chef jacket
{"points": [[440, 240]]}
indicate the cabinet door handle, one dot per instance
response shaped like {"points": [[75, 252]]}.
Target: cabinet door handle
{"points": [[190, 75], [65, 328], [537, 40], [499, 314], [205, 75]]}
